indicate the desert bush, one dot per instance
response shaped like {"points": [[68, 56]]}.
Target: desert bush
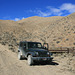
{"points": [[58, 42], [67, 39], [68, 32], [74, 32], [74, 43], [54, 39]]}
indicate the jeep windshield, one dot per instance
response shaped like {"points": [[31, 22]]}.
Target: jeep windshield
{"points": [[34, 45]]}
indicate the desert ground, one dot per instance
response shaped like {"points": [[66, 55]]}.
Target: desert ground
{"points": [[10, 65]]}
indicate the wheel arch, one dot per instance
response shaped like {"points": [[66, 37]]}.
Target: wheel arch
{"points": [[29, 54]]}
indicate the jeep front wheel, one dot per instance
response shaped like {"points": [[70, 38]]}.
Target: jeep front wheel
{"points": [[30, 60]]}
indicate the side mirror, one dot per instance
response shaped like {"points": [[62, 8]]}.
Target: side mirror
{"points": [[45, 48]]}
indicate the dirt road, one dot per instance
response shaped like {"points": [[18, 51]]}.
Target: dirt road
{"points": [[10, 65]]}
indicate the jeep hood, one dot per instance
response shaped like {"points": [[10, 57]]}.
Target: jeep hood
{"points": [[37, 50]]}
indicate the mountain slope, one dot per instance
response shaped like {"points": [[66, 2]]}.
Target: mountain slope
{"points": [[57, 31]]}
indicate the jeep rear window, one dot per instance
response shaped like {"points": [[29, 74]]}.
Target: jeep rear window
{"points": [[34, 45]]}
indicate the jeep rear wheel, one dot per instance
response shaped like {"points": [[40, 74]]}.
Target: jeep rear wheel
{"points": [[19, 56], [30, 60]]}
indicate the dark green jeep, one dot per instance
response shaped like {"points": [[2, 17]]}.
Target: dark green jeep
{"points": [[34, 51]]}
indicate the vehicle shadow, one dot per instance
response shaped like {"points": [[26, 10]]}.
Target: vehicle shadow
{"points": [[24, 59], [53, 63], [45, 63], [42, 62]]}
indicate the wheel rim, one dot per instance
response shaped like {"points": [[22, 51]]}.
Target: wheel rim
{"points": [[19, 55], [29, 60]]}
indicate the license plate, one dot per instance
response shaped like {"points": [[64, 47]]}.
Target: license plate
{"points": [[44, 59]]}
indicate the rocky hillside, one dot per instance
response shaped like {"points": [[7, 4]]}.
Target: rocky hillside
{"points": [[57, 31]]}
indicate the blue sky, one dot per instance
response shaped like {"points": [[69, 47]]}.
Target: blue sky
{"points": [[20, 9]]}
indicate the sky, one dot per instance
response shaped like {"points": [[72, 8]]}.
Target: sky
{"points": [[21, 9]]}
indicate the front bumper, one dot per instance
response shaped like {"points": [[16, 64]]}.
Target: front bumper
{"points": [[42, 58]]}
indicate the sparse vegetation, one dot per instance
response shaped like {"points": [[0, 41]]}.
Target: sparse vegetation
{"points": [[74, 32], [67, 39], [74, 43], [58, 42], [51, 29]]}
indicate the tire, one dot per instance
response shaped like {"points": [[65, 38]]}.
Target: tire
{"points": [[19, 56], [30, 60]]}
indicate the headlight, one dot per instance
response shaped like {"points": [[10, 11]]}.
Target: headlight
{"points": [[48, 53]]}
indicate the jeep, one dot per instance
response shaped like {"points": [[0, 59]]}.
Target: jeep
{"points": [[34, 51]]}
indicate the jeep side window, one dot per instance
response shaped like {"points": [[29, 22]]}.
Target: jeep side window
{"points": [[21, 44], [24, 45], [34, 45], [39, 45]]}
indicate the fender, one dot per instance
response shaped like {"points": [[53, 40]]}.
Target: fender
{"points": [[30, 53]]}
